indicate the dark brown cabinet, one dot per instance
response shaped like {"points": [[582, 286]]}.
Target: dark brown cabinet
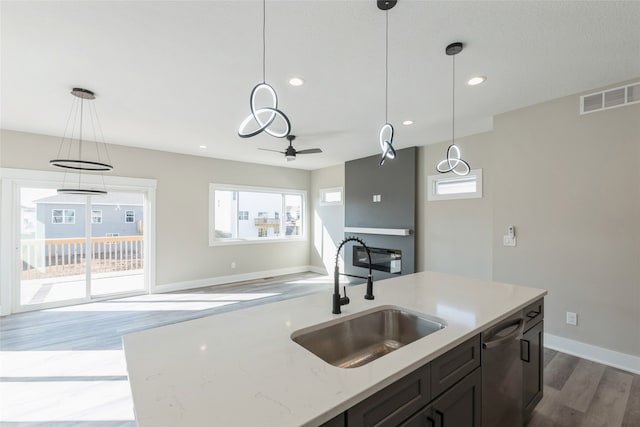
{"points": [[460, 406], [532, 352], [451, 383]]}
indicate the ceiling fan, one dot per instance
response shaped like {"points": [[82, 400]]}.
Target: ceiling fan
{"points": [[290, 153]]}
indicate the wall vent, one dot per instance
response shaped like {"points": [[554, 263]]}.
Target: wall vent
{"points": [[611, 98]]}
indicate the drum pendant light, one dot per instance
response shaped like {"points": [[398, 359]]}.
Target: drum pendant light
{"points": [[89, 156], [264, 117], [385, 136], [453, 162]]}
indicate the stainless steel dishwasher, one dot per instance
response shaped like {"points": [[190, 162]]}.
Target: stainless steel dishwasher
{"points": [[502, 374]]}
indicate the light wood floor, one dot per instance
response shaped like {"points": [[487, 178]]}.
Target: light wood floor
{"points": [[65, 367]]}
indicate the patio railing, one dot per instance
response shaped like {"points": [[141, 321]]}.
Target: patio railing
{"points": [[45, 258]]}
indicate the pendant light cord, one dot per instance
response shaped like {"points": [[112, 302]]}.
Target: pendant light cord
{"points": [[264, 38], [386, 70], [453, 103]]}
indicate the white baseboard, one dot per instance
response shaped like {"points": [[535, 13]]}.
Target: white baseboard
{"points": [[225, 280], [626, 362]]}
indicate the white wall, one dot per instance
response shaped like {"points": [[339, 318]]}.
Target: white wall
{"points": [[328, 221], [182, 249]]}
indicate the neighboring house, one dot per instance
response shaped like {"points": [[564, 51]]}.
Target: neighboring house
{"points": [[63, 216]]}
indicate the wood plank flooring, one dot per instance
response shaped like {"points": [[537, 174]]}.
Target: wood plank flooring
{"points": [[65, 367], [581, 393]]}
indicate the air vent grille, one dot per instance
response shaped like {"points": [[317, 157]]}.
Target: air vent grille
{"points": [[611, 98]]}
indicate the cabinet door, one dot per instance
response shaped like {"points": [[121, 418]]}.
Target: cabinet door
{"points": [[460, 406], [394, 403], [424, 418], [454, 365], [532, 356]]}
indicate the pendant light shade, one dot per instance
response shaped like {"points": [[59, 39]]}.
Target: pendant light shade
{"points": [[264, 118], [385, 136], [453, 162], [76, 154]]}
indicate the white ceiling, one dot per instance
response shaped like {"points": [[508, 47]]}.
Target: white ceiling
{"points": [[176, 75]]}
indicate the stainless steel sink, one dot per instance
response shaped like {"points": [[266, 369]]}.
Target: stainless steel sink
{"points": [[358, 340]]}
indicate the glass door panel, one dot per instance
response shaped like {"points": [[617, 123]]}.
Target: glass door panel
{"points": [[52, 247], [117, 243]]}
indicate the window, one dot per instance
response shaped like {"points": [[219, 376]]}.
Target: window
{"points": [[449, 187], [96, 216], [277, 214], [63, 216], [129, 216], [331, 196]]}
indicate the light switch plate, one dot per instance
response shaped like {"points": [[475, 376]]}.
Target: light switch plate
{"points": [[508, 240]]}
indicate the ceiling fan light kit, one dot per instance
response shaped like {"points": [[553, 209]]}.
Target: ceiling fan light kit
{"points": [[290, 153], [453, 163], [264, 117], [82, 162]]}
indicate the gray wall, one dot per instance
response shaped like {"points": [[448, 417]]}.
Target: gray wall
{"points": [[571, 186], [395, 182], [182, 245]]}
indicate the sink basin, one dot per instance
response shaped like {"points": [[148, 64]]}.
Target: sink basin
{"points": [[358, 340]]}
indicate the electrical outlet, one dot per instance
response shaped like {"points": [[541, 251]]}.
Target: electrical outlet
{"points": [[233, 264], [508, 240], [572, 318]]}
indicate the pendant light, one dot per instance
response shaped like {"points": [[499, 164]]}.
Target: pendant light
{"points": [[89, 156], [264, 117], [453, 162], [385, 137]]}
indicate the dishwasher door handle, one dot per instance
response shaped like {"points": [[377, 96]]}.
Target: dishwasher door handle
{"points": [[496, 342]]}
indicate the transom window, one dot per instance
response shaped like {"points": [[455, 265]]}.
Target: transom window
{"points": [[447, 187], [331, 196], [63, 216], [255, 214]]}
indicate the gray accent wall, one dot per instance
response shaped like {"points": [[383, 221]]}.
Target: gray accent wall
{"points": [[395, 183]]}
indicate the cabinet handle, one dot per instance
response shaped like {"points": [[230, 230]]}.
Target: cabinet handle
{"points": [[525, 356], [431, 421], [440, 416], [533, 314]]}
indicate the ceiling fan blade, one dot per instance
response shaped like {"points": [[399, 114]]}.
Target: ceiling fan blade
{"points": [[309, 151], [275, 151]]}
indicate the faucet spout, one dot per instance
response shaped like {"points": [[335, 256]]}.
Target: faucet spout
{"points": [[339, 300]]}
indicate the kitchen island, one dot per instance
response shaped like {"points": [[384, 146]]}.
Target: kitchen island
{"points": [[242, 368]]}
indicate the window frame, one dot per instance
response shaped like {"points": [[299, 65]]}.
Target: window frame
{"points": [[100, 216], [433, 180], [64, 216], [221, 241], [324, 191]]}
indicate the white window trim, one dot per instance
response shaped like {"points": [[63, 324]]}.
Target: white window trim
{"points": [[323, 191], [433, 180], [100, 216], [63, 216], [213, 241]]}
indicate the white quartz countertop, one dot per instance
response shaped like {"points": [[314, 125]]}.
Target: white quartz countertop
{"points": [[242, 368]]}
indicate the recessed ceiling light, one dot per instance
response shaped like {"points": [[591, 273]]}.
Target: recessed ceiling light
{"points": [[407, 122], [476, 80], [296, 81], [203, 147]]}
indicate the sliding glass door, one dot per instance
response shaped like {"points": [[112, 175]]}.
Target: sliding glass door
{"points": [[75, 248]]}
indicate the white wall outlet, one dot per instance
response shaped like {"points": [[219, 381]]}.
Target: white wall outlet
{"points": [[233, 264], [377, 198], [572, 318]]}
